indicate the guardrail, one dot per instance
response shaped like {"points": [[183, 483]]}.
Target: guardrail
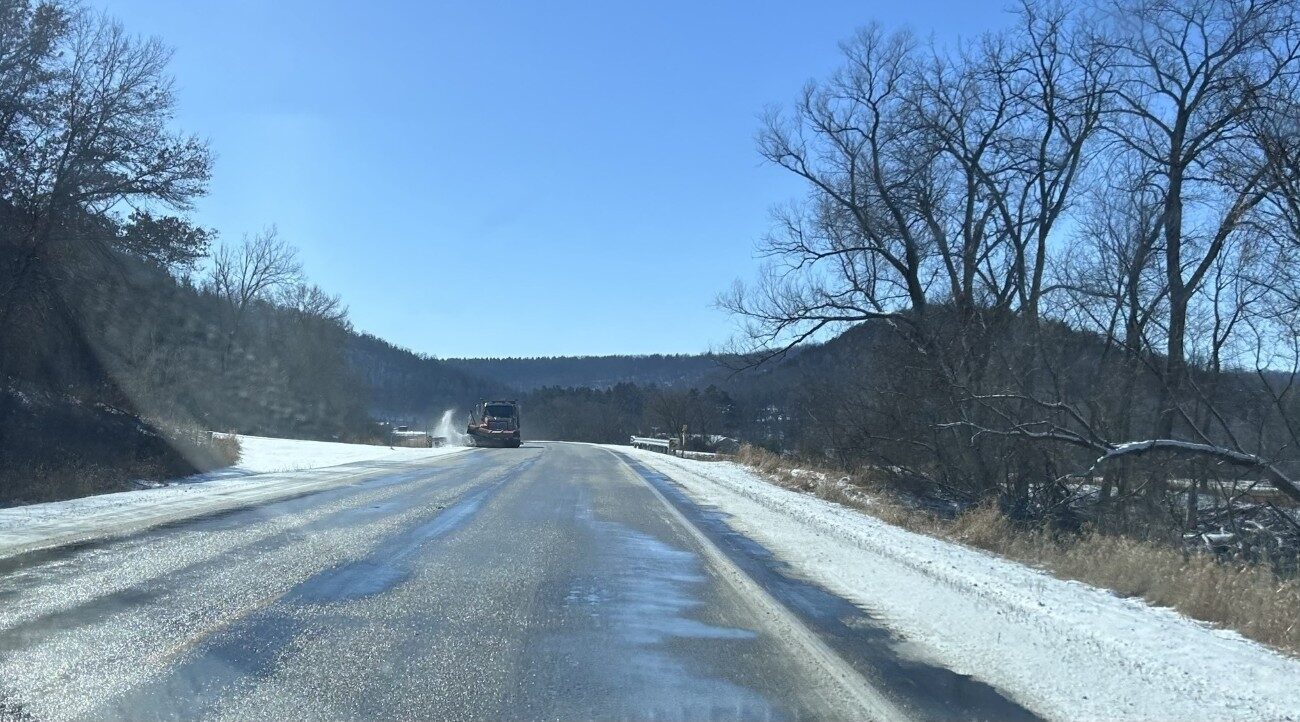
{"points": [[646, 442], [670, 446]]}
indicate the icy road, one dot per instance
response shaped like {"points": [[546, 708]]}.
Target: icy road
{"points": [[566, 581], [552, 581]]}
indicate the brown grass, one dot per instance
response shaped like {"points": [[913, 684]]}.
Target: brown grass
{"points": [[226, 448], [1250, 599], [203, 450]]}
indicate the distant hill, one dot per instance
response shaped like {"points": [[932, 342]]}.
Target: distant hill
{"points": [[596, 372], [404, 385]]}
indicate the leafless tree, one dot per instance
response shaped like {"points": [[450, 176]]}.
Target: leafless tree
{"points": [[856, 248], [312, 303], [934, 178], [1128, 168], [671, 410], [936, 181], [85, 112], [1192, 77], [257, 270]]}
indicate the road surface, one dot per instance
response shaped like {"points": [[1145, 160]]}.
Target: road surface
{"points": [[552, 581]]}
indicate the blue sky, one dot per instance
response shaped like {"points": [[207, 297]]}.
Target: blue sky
{"points": [[510, 178]]}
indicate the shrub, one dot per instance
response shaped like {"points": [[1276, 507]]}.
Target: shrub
{"points": [[226, 448]]}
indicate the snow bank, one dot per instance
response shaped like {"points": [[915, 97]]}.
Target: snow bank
{"points": [[1063, 649], [269, 469], [261, 454]]}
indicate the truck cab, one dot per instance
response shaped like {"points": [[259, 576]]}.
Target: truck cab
{"points": [[494, 423]]}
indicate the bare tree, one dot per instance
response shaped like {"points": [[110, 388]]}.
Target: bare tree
{"points": [[312, 303], [855, 249], [85, 113], [671, 410], [936, 181], [256, 270], [1126, 167], [1192, 77], [933, 177]]}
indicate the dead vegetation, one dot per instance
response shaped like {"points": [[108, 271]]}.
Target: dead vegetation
{"points": [[227, 449], [111, 449], [1250, 599]]}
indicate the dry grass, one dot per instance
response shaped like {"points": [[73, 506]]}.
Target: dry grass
{"points": [[826, 483], [1250, 599], [203, 450], [227, 449]]}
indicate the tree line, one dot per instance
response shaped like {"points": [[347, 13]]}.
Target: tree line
{"points": [[527, 374], [1078, 239], [612, 415]]}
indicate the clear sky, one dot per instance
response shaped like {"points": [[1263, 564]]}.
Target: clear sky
{"points": [[482, 178]]}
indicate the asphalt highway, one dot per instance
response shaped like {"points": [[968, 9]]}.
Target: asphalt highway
{"points": [[554, 581]]}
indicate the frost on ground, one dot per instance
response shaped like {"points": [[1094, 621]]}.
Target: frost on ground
{"points": [[1063, 649], [269, 469]]}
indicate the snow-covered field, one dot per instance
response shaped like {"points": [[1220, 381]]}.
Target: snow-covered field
{"points": [[268, 469], [1063, 649], [261, 454]]}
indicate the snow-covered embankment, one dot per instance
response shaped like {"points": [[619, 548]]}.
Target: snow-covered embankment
{"points": [[268, 469]]}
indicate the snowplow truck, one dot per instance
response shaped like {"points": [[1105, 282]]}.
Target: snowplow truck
{"points": [[494, 423]]}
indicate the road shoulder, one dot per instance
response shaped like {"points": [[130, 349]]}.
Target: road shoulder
{"points": [[1017, 628]]}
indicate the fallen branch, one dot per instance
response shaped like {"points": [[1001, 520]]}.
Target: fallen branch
{"points": [[1110, 450]]}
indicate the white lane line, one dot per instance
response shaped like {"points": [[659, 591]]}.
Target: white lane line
{"points": [[784, 624]]}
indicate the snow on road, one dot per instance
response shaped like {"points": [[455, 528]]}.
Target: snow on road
{"points": [[269, 469], [1063, 649]]}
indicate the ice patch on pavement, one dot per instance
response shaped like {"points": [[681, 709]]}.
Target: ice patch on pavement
{"points": [[636, 603], [648, 597]]}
